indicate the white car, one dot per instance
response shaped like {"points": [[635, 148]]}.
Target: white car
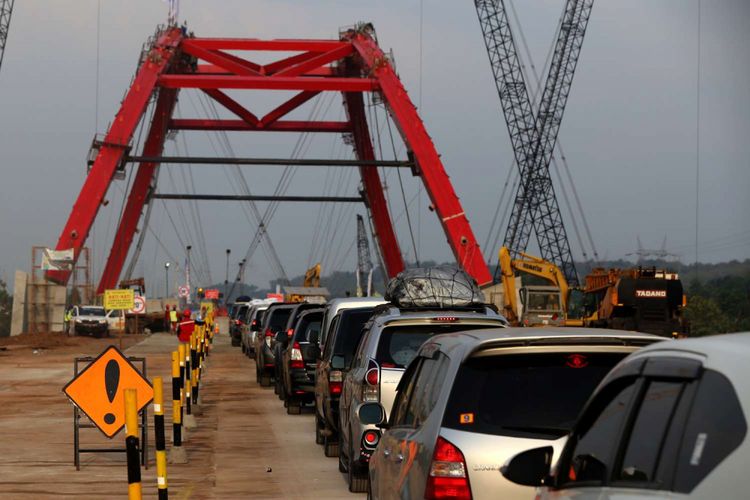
{"points": [[669, 421], [90, 319]]}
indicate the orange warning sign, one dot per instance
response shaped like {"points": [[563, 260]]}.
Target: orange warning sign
{"points": [[98, 390]]}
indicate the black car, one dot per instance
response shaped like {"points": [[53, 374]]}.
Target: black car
{"points": [[235, 322], [281, 342], [274, 321], [343, 339], [297, 362]]}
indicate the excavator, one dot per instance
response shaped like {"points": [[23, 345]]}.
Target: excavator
{"points": [[310, 291], [531, 305]]}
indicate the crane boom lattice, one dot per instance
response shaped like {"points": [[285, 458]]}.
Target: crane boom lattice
{"points": [[6, 9], [532, 136]]}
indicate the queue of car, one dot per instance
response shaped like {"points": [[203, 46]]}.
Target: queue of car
{"points": [[447, 401]]}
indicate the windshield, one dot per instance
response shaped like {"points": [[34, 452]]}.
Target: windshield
{"points": [[543, 301], [399, 344], [349, 332], [91, 311], [533, 396]]}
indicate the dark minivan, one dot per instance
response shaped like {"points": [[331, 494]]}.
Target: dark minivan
{"points": [[274, 321], [298, 361]]}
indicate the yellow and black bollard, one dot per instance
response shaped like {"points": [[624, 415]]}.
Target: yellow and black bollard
{"points": [[177, 454], [161, 444], [132, 445], [189, 421]]}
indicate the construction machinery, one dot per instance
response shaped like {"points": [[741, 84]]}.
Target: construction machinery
{"points": [[649, 300], [153, 316], [310, 291], [529, 304]]}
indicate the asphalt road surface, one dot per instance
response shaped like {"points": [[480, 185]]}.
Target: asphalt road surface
{"points": [[245, 445]]}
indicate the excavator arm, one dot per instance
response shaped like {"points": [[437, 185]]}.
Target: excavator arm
{"points": [[509, 285]]}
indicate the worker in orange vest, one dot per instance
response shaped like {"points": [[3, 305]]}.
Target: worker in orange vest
{"points": [[185, 327]]}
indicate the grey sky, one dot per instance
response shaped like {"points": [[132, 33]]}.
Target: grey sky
{"points": [[629, 131]]}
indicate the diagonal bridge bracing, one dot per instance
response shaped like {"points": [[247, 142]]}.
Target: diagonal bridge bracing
{"points": [[352, 65]]}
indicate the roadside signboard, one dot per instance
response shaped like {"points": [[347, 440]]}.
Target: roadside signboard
{"points": [[139, 305], [212, 293], [183, 291], [98, 390], [275, 297], [119, 299]]}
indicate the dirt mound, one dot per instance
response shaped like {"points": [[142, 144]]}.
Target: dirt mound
{"points": [[44, 340]]}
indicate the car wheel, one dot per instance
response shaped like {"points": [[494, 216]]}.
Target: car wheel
{"points": [[265, 380], [330, 447], [318, 428], [357, 483], [244, 351], [369, 491], [235, 342], [294, 408]]}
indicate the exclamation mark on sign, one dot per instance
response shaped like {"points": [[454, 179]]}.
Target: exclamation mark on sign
{"points": [[111, 381]]}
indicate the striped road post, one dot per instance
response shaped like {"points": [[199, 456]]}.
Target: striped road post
{"points": [[177, 454], [161, 445], [132, 445]]}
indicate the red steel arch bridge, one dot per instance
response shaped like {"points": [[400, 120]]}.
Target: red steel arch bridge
{"points": [[353, 65]]}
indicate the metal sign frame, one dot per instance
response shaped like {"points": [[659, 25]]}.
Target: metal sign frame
{"points": [[77, 414]]}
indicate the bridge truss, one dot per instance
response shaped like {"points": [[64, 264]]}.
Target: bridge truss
{"points": [[352, 65]]}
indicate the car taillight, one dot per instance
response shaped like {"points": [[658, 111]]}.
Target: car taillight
{"points": [[297, 361], [237, 322], [289, 333], [446, 319], [269, 336], [371, 387], [373, 376], [334, 381], [448, 478], [370, 439]]}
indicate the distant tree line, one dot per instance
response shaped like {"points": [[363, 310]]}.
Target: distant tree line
{"points": [[718, 295], [719, 305]]}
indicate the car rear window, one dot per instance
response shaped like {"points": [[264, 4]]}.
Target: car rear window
{"points": [[531, 396], [349, 333], [308, 328], [241, 312], [398, 345], [279, 317]]}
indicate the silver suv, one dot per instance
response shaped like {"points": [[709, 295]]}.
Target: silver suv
{"points": [[668, 422], [390, 342], [471, 400]]}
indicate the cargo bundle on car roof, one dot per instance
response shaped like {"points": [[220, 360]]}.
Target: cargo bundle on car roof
{"points": [[441, 287]]}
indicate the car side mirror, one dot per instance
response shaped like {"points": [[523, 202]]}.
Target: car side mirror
{"points": [[530, 467], [371, 413]]}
